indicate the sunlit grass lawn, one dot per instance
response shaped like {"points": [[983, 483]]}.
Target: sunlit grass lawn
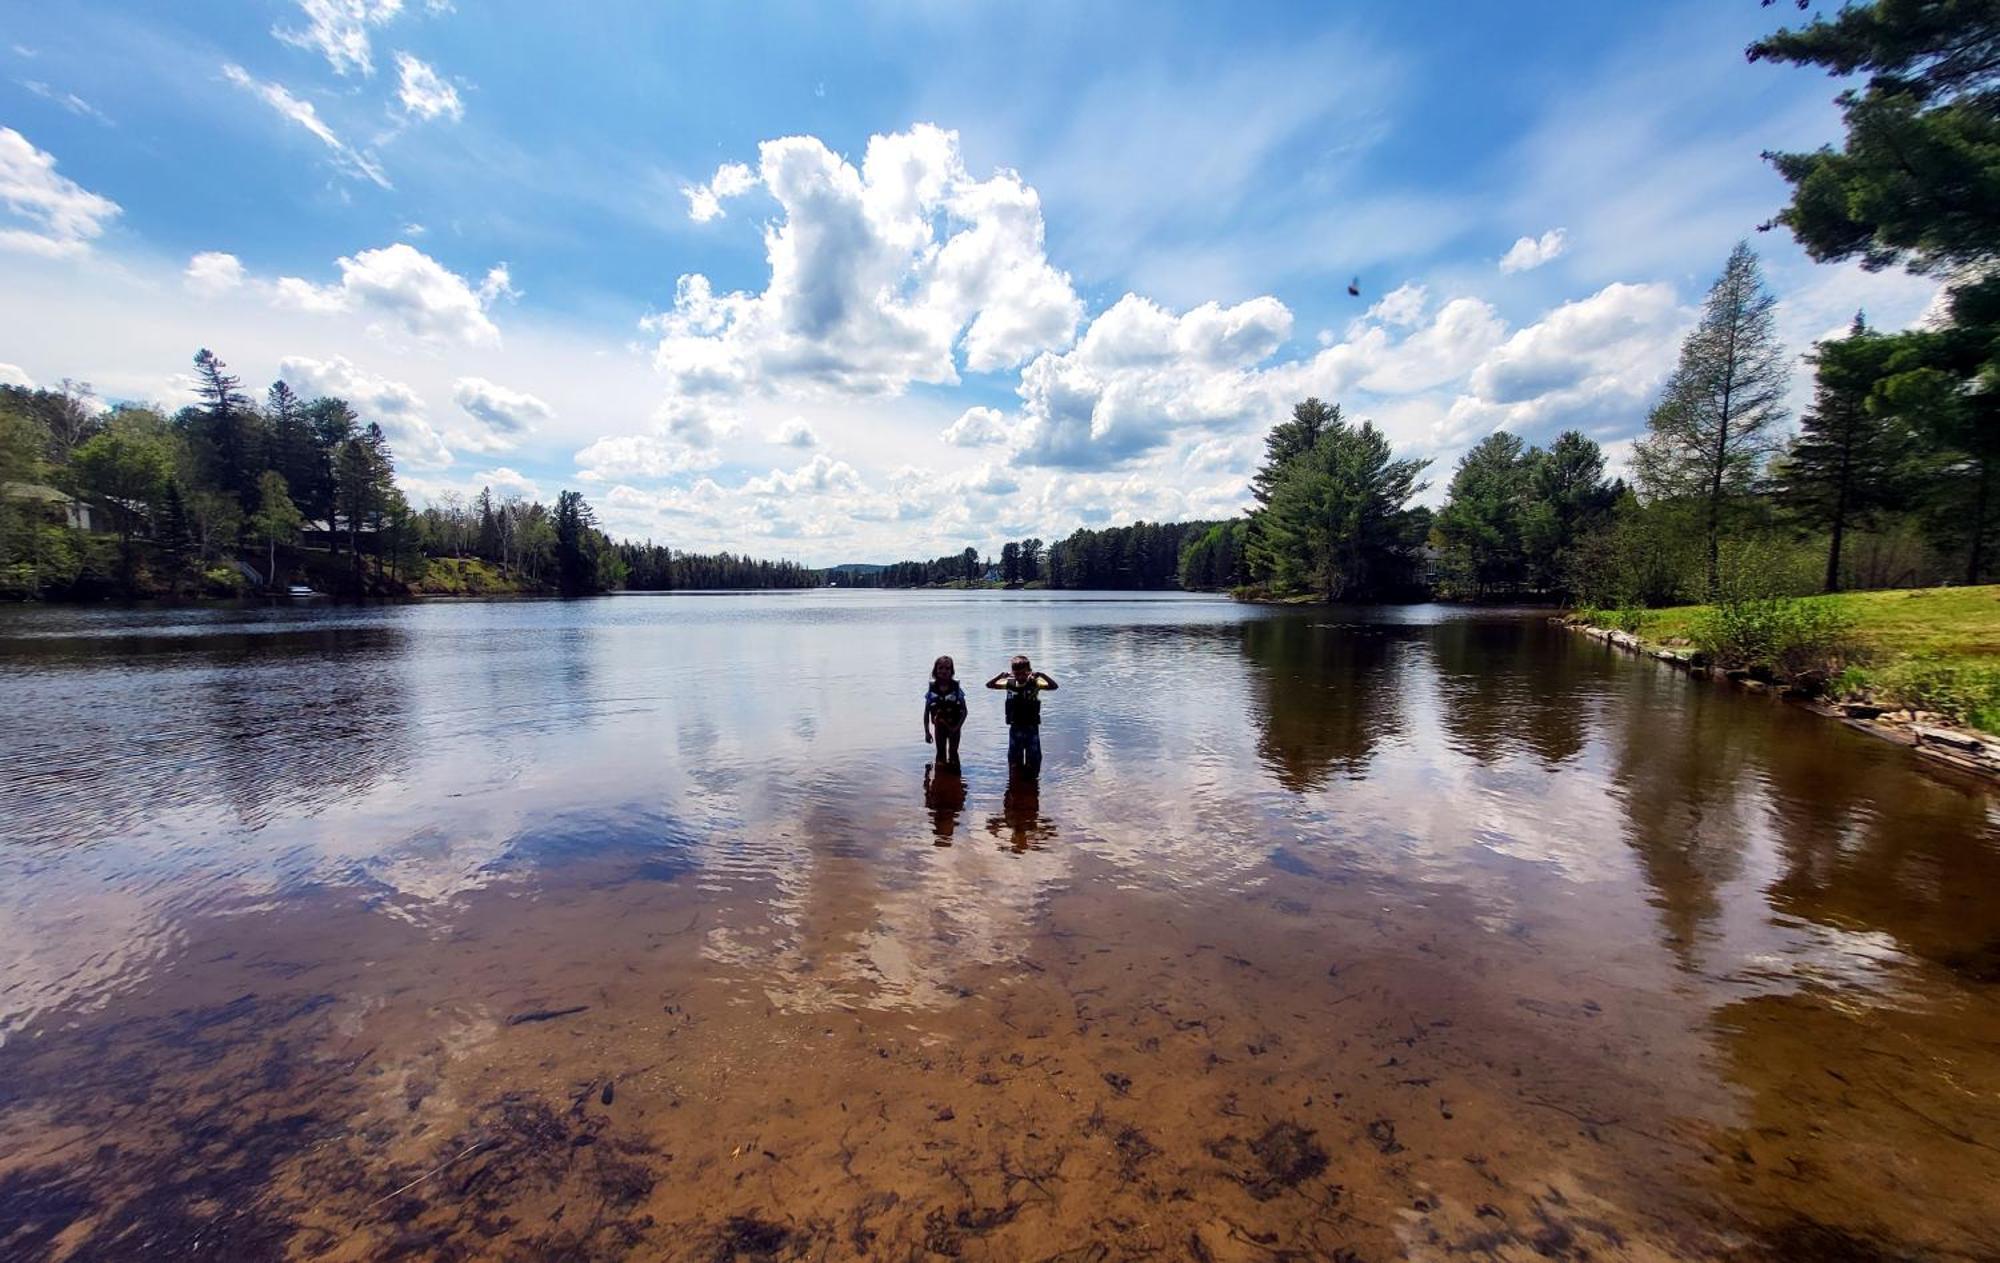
{"points": [[1947, 623]]}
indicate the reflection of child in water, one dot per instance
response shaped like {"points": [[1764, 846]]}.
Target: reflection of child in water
{"points": [[944, 794], [1021, 824], [944, 710]]}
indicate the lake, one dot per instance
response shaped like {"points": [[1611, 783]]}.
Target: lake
{"points": [[637, 927]]}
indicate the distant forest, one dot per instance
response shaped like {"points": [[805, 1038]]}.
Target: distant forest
{"points": [[1144, 555], [229, 496]]}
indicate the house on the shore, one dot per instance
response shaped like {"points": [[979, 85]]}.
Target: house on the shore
{"points": [[76, 513]]}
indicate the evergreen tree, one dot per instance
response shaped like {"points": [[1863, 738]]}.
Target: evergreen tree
{"points": [[1337, 523], [226, 427], [1569, 499], [1913, 183], [1031, 560], [1010, 562], [1708, 437], [1847, 461], [172, 535], [1481, 529], [576, 558]]}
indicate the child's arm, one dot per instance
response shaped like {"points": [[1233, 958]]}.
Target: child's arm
{"points": [[1048, 681], [998, 682], [927, 721]]}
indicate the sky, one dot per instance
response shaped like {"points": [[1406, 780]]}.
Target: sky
{"points": [[861, 282]]}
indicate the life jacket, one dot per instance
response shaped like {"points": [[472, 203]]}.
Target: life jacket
{"points": [[947, 709], [1024, 704]]}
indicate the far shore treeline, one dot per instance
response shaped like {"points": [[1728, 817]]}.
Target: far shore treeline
{"points": [[225, 497]]}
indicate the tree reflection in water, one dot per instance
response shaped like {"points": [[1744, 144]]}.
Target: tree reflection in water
{"points": [[1325, 695]]}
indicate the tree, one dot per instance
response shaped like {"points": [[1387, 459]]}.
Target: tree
{"points": [[333, 424], [226, 431], [1337, 523], [277, 520], [576, 557], [124, 470], [1912, 184], [1010, 562], [969, 565], [1290, 440], [1569, 499], [364, 475], [1914, 180], [1031, 560], [1482, 525], [1708, 437], [1846, 462], [172, 534]]}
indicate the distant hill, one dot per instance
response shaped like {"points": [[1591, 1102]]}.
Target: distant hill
{"points": [[855, 567]]}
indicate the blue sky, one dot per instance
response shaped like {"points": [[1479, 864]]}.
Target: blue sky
{"points": [[870, 281]]}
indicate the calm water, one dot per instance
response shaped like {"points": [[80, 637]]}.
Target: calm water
{"points": [[638, 928]]}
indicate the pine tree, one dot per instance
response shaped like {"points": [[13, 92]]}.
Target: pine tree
{"points": [[1846, 462], [172, 534], [1483, 521], [1712, 430], [1338, 522]]}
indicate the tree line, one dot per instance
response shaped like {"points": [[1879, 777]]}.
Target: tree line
{"points": [[228, 493], [1142, 556]]}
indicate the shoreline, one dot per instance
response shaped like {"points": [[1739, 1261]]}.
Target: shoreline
{"points": [[1934, 738]]}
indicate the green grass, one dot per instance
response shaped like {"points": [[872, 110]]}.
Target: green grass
{"points": [[467, 576], [1949, 623], [1935, 649]]}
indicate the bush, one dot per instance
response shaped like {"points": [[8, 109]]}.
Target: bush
{"points": [[1966, 692], [1627, 620], [1803, 641]]}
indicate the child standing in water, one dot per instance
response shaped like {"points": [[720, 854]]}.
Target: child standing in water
{"points": [[944, 710], [1024, 686]]}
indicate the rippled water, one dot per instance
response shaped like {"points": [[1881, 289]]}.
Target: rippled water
{"points": [[639, 927]]}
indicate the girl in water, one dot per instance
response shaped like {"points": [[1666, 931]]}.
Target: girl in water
{"points": [[944, 710]]}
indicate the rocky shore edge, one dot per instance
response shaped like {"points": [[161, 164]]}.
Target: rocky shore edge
{"points": [[1933, 737]]}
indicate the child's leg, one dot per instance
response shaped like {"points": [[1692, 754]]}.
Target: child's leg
{"points": [[943, 746], [954, 747], [1031, 752]]}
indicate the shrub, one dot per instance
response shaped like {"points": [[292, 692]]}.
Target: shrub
{"points": [[1627, 620], [1786, 638], [1966, 692]]}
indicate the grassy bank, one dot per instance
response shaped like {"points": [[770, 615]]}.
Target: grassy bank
{"points": [[1934, 650], [469, 576]]}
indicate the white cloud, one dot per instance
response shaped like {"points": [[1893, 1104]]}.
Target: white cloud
{"points": [[214, 272], [497, 284], [47, 213], [506, 415], [1529, 253], [423, 94], [731, 179], [1401, 306], [878, 276], [1140, 373], [68, 100], [795, 433], [817, 476], [978, 427], [398, 409], [622, 456], [345, 156], [338, 30], [403, 286], [15, 375]]}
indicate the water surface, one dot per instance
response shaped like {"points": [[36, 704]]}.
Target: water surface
{"points": [[639, 927]]}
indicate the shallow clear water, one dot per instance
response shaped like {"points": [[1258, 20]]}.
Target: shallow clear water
{"points": [[640, 927]]}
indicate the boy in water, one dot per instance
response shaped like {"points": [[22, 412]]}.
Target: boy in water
{"points": [[1024, 686]]}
